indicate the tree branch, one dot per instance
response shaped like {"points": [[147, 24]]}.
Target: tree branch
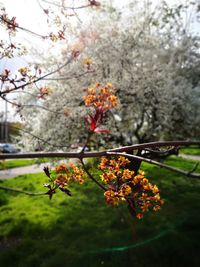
{"points": [[65, 7], [81, 155], [91, 177], [21, 191], [161, 165], [154, 145], [37, 79], [38, 138]]}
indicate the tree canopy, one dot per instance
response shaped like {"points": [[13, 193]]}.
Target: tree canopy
{"points": [[150, 55]]}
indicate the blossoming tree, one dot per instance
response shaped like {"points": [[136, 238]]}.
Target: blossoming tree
{"points": [[153, 63], [120, 176]]}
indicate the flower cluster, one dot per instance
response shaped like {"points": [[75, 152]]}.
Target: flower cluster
{"points": [[100, 99], [10, 50], [54, 37], [68, 174], [10, 24], [94, 3], [4, 75], [44, 91], [61, 176], [124, 185], [87, 62]]}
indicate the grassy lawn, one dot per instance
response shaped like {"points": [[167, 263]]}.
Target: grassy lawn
{"points": [[13, 163], [82, 231], [193, 150]]}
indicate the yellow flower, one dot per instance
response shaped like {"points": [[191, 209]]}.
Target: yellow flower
{"points": [[147, 187], [123, 161], [142, 173], [144, 181], [156, 208], [44, 91], [145, 206], [125, 190], [91, 91], [139, 216], [113, 100], [103, 163], [155, 189], [127, 174], [23, 71], [89, 100], [108, 177], [156, 198], [87, 61], [62, 167], [101, 97], [109, 84], [78, 174], [61, 180], [111, 197], [53, 37], [97, 84]]}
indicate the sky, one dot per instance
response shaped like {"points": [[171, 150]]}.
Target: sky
{"points": [[31, 16]]}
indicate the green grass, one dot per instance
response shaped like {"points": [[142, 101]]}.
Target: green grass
{"points": [[82, 231], [193, 150], [7, 164]]}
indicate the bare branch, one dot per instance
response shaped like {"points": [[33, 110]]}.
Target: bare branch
{"points": [[194, 168], [21, 28], [39, 138], [81, 155], [21, 191], [68, 77], [39, 106], [65, 7], [153, 145], [37, 79], [91, 176]]}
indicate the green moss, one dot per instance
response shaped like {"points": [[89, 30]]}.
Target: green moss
{"points": [[14, 163]]}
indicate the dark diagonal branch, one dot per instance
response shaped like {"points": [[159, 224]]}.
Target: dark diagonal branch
{"points": [[161, 165], [154, 145]]}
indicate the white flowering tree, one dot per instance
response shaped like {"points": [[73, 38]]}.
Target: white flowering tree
{"points": [[150, 56]]}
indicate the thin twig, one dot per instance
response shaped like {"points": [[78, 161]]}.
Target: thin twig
{"points": [[22, 28], [65, 7], [39, 138], [91, 176], [21, 191], [194, 168]]}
